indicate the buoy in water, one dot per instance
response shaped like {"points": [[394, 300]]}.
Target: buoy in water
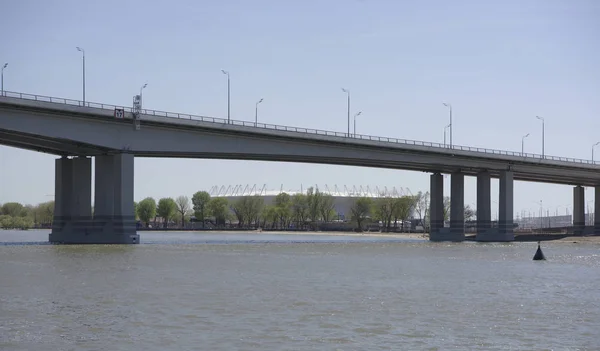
{"points": [[539, 255]]}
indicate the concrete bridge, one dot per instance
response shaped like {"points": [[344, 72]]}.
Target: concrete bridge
{"points": [[114, 135]]}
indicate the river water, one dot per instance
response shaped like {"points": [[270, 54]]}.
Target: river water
{"points": [[188, 291]]}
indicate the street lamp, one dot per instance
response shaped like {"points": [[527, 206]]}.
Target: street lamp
{"points": [[356, 115], [256, 112], [3, 67], [543, 132], [523, 144], [445, 130], [142, 88], [450, 125], [83, 52], [348, 92], [228, 96], [593, 150]]}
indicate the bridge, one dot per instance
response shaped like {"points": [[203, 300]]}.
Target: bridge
{"points": [[113, 135]]}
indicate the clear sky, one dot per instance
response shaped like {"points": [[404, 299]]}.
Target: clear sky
{"points": [[499, 63]]}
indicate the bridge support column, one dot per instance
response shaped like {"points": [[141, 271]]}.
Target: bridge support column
{"points": [[436, 208], [457, 206], [114, 220], [506, 231], [578, 210], [484, 205], [72, 197], [597, 210]]}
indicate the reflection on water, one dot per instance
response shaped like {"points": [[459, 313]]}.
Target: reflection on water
{"points": [[246, 291]]}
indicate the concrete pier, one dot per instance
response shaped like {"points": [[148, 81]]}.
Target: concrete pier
{"points": [[578, 210], [505, 210], [114, 219], [484, 204], [457, 206], [436, 203]]}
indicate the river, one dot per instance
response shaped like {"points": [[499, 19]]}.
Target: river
{"points": [[190, 291]]}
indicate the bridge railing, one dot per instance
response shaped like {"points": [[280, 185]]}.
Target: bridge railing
{"points": [[292, 129]]}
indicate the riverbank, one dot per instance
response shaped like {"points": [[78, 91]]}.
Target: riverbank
{"points": [[422, 236]]}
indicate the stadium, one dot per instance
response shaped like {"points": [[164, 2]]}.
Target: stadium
{"points": [[343, 196]]}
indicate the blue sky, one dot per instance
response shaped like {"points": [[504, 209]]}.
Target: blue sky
{"points": [[499, 63]]}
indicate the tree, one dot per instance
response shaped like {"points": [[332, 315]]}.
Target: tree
{"points": [[44, 213], [135, 210], [283, 206], [166, 209], [270, 215], [446, 208], [183, 206], [200, 201], [326, 207], [299, 209], [13, 209], [469, 213], [147, 210], [313, 200], [403, 208], [361, 210], [384, 210], [248, 210], [422, 208], [217, 207]]}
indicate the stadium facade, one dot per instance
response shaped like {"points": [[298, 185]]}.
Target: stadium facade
{"points": [[343, 196]]}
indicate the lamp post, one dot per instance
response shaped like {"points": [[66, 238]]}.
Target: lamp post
{"points": [[256, 112], [142, 88], [449, 106], [543, 133], [593, 150], [356, 115], [523, 144], [2, 88], [348, 92], [228, 96], [445, 129], [83, 53]]}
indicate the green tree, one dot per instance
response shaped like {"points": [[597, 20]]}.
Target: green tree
{"points": [[360, 210], [326, 207], [166, 209], [299, 209], [183, 207], [217, 207], [13, 209], [44, 213], [403, 208], [270, 215], [283, 206], [147, 210], [248, 210], [135, 210], [313, 200], [384, 210], [446, 208], [200, 201], [422, 208]]}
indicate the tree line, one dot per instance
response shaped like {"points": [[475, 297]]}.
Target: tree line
{"points": [[312, 210]]}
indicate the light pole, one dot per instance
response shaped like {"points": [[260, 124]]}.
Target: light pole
{"points": [[445, 129], [83, 53], [3, 67], [256, 112], [142, 88], [449, 106], [228, 96], [593, 150], [523, 144], [348, 92], [543, 132], [356, 115]]}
